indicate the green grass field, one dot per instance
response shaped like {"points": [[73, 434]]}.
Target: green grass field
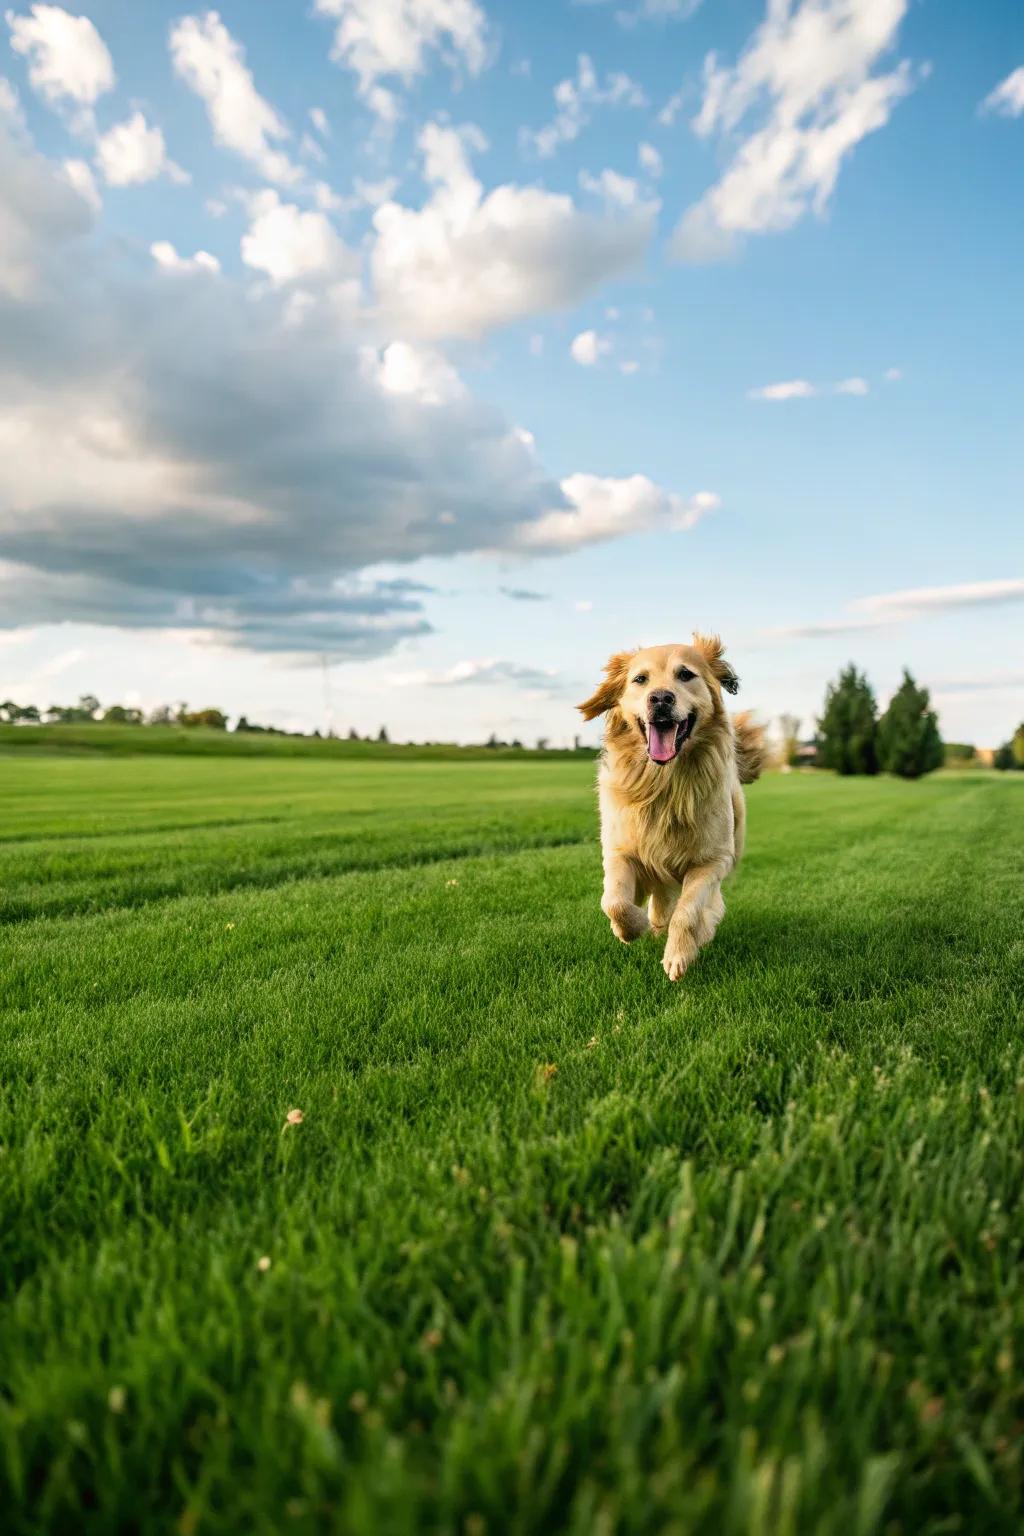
{"points": [[557, 1246]]}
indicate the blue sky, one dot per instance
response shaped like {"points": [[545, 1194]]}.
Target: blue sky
{"points": [[329, 329]]}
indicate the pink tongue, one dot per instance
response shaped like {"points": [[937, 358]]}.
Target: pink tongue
{"points": [[661, 741]]}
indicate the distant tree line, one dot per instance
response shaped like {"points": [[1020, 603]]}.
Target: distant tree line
{"points": [[89, 711]]}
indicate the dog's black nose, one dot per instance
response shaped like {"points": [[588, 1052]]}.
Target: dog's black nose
{"points": [[660, 698]]}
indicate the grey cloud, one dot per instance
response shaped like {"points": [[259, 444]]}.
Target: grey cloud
{"points": [[467, 674], [36, 206], [192, 454], [524, 595]]}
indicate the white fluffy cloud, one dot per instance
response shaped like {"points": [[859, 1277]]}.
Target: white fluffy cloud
{"points": [[803, 389], [787, 389], [805, 86], [287, 242], [967, 594], [620, 191], [465, 263], [80, 175], [887, 608], [588, 348], [67, 58], [650, 159], [378, 39], [166, 256], [575, 101], [403, 369], [1008, 96], [212, 63], [602, 508], [134, 151]]}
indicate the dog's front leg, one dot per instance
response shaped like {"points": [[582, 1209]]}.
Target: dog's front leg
{"points": [[698, 912], [618, 902]]}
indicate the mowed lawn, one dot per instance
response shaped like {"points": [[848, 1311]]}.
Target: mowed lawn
{"points": [[557, 1246]]}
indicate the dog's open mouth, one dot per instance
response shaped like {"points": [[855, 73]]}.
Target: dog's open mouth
{"points": [[665, 738]]}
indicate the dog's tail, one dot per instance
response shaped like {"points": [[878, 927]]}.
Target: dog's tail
{"points": [[750, 748]]}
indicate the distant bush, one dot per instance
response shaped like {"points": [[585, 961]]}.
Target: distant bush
{"points": [[909, 743], [848, 728], [1010, 755]]}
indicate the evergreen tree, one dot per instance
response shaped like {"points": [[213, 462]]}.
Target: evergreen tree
{"points": [[909, 743], [848, 727], [1004, 758]]}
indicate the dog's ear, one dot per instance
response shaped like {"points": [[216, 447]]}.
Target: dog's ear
{"points": [[606, 696], [713, 651]]}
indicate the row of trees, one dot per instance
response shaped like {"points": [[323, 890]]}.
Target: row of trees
{"points": [[89, 711], [853, 739]]}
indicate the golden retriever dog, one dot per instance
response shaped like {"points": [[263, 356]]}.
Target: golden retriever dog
{"points": [[672, 808]]}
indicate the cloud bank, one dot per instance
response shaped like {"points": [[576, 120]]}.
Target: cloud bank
{"points": [[228, 464]]}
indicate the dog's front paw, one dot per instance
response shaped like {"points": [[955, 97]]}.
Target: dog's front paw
{"points": [[678, 958], [628, 921]]}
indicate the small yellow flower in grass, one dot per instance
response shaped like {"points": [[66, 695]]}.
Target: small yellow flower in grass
{"points": [[263, 1263], [546, 1071], [450, 883], [591, 1042], [228, 927], [116, 1399], [294, 1117]]}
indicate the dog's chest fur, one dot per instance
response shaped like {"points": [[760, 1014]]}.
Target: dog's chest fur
{"points": [[669, 821]]}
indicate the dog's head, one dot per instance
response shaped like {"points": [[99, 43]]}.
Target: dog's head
{"points": [[666, 694]]}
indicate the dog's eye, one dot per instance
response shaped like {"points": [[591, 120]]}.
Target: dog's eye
{"points": [[685, 675], [640, 678]]}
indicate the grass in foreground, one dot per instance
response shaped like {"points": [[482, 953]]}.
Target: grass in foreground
{"points": [[556, 1246]]}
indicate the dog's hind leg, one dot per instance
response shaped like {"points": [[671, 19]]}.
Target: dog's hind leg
{"points": [[662, 905]]}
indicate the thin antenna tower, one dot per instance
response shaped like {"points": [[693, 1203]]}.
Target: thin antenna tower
{"points": [[328, 705]]}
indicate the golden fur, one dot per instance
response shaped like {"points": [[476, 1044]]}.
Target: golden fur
{"points": [[671, 832]]}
